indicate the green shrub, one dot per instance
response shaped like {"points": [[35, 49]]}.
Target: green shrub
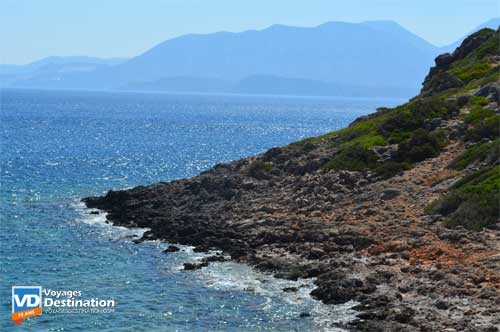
{"points": [[487, 152], [308, 147], [474, 201], [489, 47], [477, 114], [478, 100], [475, 211], [487, 128], [390, 168], [484, 181], [369, 140], [353, 158], [422, 144], [474, 70], [258, 168], [399, 126]]}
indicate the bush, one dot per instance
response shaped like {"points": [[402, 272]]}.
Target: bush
{"points": [[391, 168], [474, 201], [478, 100], [478, 114], [484, 181], [353, 158], [422, 144], [488, 128], [412, 116], [475, 212], [259, 168], [487, 152], [474, 70]]}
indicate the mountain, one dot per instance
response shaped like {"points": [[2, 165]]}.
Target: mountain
{"points": [[341, 52], [493, 23], [37, 73], [375, 54]]}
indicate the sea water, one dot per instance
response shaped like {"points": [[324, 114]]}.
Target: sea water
{"points": [[59, 146]]}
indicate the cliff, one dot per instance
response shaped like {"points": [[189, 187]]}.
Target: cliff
{"points": [[398, 212]]}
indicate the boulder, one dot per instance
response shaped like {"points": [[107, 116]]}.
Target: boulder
{"points": [[389, 193], [491, 91], [171, 249]]}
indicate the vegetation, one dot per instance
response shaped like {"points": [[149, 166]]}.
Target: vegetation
{"points": [[422, 145], [474, 201], [401, 125], [486, 152], [417, 129], [258, 168], [472, 71]]}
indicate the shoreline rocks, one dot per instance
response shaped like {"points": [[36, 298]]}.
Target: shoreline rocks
{"points": [[363, 239]]}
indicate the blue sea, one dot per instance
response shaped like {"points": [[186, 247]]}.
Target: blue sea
{"points": [[59, 146]]}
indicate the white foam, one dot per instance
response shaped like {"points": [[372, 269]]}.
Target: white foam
{"points": [[235, 276], [115, 233]]}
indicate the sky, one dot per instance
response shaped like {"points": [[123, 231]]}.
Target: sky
{"points": [[33, 29]]}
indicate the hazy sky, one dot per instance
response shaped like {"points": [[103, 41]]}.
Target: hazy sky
{"points": [[32, 29]]}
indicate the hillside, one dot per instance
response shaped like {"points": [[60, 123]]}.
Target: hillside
{"points": [[398, 212]]}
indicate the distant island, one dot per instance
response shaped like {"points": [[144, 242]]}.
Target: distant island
{"points": [[398, 212], [368, 59]]}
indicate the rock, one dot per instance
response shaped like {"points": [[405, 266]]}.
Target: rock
{"points": [[452, 236], [493, 106], [190, 266], [432, 124], [194, 266], [490, 329], [463, 100], [304, 314], [214, 258], [388, 194], [469, 44], [488, 293], [385, 153], [491, 91], [440, 81], [290, 289], [443, 59], [315, 253], [336, 288], [171, 249], [442, 305], [403, 315]]}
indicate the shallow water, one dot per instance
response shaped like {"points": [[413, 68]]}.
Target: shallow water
{"points": [[60, 146]]}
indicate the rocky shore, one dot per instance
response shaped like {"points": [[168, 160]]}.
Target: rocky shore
{"points": [[364, 235]]}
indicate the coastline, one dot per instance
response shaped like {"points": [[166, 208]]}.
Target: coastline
{"points": [[398, 211], [386, 264], [229, 275]]}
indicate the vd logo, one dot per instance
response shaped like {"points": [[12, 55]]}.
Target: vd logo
{"points": [[26, 302]]}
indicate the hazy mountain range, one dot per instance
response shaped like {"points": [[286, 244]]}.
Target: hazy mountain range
{"points": [[375, 58]]}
